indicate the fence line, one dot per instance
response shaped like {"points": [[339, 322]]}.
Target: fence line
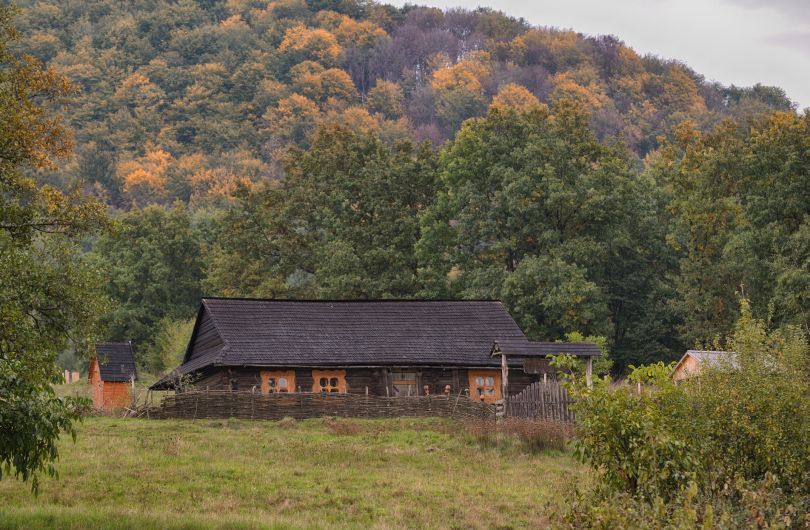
{"points": [[547, 400], [250, 405]]}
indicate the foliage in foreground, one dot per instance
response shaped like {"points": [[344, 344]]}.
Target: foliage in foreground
{"points": [[729, 448], [47, 294]]}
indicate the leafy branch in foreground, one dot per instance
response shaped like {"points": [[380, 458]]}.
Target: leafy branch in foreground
{"points": [[49, 297]]}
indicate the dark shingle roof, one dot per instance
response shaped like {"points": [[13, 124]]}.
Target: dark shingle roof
{"points": [[115, 361], [360, 333]]}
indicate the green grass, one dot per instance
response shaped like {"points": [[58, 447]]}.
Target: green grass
{"points": [[80, 389], [83, 389], [418, 473]]}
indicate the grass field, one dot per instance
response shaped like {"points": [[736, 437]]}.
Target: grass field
{"points": [[323, 473]]}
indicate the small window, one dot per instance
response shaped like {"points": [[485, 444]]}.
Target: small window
{"points": [[485, 385], [404, 383], [331, 381], [277, 382]]}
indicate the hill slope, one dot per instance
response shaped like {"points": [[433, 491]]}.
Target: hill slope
{"points": [[181, 100]]}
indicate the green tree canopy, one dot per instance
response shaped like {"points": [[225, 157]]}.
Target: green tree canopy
{"points": [[534, 210], [740, 203], [153, 267], [342, 223]]}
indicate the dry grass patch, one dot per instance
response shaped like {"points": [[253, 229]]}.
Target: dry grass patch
{"points": [[523, 434]]}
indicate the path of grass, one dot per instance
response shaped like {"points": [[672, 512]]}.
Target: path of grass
{"points": [[125, 473]]}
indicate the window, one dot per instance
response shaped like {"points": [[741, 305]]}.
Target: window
{"points": [[278, 382], [404, 383], [485, 385], [330, 381]]}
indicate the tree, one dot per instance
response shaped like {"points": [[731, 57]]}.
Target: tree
{"points": [[48, 298], [292, 120], [739, 203], [145, 179], [553, 298], [169, 346], [386, 98], [343, 222], [459, 90], [301, 43], [533, 209], [319, 84], [153, 271], [512, 96]]}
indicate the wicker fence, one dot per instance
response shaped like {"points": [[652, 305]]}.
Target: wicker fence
{"points": [[248, 405], [546, 400]]}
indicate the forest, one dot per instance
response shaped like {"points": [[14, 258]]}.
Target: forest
{"points": [[350, 149]]}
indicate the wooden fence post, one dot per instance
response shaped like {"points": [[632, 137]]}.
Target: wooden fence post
{"points": [[589, 372], [504, 378]]}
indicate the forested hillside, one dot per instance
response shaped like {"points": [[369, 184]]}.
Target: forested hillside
{"points": [[348, 149], [181, 100]]}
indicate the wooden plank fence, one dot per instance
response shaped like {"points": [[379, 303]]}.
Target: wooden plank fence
{"points": [[255, 405], [546, 400]]}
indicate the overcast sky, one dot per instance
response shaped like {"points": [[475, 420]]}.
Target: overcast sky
{"points": [[739, 42]]}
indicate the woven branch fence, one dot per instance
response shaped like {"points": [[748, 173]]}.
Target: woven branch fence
{"points": [[546, 400], [248, 405]]}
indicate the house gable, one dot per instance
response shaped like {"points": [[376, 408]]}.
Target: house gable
{"points": [[205, 340]]}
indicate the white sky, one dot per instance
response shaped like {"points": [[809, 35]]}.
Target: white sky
{"points": [[740, 42]]}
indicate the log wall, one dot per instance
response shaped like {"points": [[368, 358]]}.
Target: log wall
{"points": [[377, 380]]}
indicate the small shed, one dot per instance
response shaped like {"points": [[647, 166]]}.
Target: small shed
{"points": [[111, 375], [693, 361]]}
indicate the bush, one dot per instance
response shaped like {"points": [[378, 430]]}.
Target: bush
{"points": [[732, 442], [629, 437], [753, 417], [744, 506]]}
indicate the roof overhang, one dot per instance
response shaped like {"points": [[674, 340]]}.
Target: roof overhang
{"points": [[544, 349]]}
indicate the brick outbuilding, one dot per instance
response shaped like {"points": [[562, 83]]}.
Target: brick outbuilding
{"points": [[111, 374]]}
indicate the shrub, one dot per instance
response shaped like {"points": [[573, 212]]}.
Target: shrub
{"points": [[744, 506], [629, 438], [753, 416], [732, 442]]}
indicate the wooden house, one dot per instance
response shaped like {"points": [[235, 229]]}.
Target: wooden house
{"points": [[380, 347], [693, 361], [111, 375]]}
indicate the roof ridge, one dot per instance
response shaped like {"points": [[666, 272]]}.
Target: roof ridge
{"points": [[354, 300]]}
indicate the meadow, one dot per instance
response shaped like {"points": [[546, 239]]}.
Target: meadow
{"points": [[321, 473]]}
